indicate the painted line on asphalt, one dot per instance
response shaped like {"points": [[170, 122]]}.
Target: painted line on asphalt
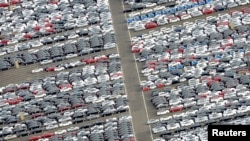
{"points": [[143, 97]]}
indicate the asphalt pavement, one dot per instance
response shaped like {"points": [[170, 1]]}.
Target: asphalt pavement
{"points": [[130, 74]]}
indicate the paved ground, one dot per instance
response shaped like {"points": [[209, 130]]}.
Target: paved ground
{"points": [[129, 68], [141, 108]]}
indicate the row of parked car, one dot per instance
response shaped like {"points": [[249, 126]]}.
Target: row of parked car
{"points": [[207, 109], [111, 129], [200, 133], [89, 75], [212, 80], [183, 52], [59, 52], [139, 5], [161, 16], [188, 96], [76, 63], [104, 32], [67, 98], [33, 19]]}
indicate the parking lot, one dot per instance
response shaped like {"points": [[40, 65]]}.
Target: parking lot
{"points": [[117, 73]]}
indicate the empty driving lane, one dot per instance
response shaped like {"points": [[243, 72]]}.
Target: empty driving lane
{"points": [[136, 102]]}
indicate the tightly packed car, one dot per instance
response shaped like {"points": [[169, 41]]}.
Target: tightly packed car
{"points": [[67, 98], [184, 10]]}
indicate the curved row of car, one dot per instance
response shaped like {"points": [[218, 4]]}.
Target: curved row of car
{"points": [[164, 16], [33, 19]]}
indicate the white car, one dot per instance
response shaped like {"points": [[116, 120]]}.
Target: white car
{"points": [[242, 2], [159, 129], [71, 56], [73, 129], [9, 137], [174, 19], [59, 132], [243, 109], [186, 122], [2, 52], [186, 16], [40, 95], [246, 20], [150, 4], [51, 126], [173, 126], [46, 62], [59, 68], [114, 56], [33, 50], [62, 124], [201, 119], [229, 112], [215, 115], [37, 70], [162, 21], [196, 13], [109, 45], [162, 112], [139, 27]]}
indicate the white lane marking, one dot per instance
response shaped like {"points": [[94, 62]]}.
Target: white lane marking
{"points": [[143, 97], [125, 87]]}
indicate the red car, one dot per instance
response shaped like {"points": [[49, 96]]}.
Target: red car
{"points": [[47, 135], [145, 89], [62, 86], [89, 60], [64, 108], [50, 69], [37, 28], [202, 96], [101, 58], [207, 11], [4, 4], [36, 115], [49, 25], [13, 2], [222, 23], [74, 106], [23, 87], [53, 2], [34, 138], [5, 41], [136, 50], [14, 101], [176, 109], [151, 25], [160, 85], [245, 10], [27, 36], [50, 30]]}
